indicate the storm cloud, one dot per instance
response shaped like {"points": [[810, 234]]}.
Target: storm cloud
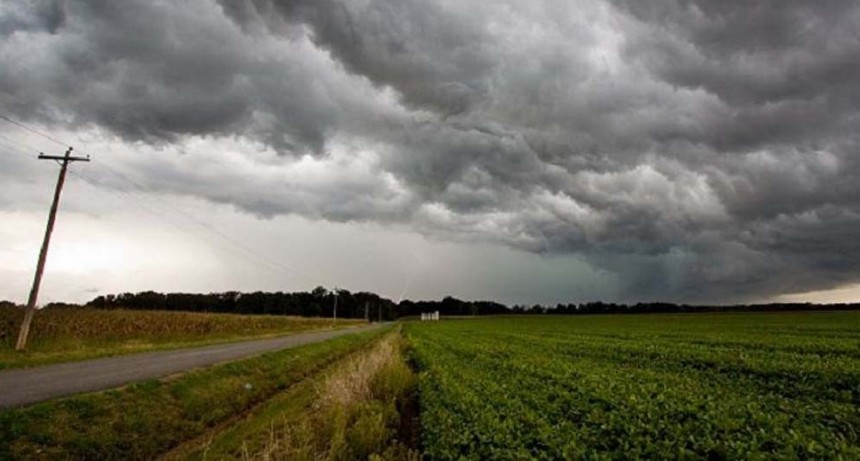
{"points": [[699, 151]]}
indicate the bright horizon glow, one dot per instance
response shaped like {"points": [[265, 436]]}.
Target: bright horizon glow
{"points": [[846, 294]]}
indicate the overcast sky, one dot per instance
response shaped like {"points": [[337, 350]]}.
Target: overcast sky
{"points": [[522, 151]]}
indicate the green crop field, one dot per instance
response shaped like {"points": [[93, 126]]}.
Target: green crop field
{"points": [[658, 386], [736, 386]]}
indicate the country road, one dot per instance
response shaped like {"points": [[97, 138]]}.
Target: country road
{"points": [[31, 385]]}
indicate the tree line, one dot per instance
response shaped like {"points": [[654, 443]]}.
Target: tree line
{"points": [[320, 302]]}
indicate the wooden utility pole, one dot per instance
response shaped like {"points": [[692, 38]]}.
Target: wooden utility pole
{"points": [[335, 304], [366, 311], [43, 254]]}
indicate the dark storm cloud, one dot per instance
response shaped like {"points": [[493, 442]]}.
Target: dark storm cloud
{"points": [[40, 15], [700, 150], [432, 57], [788, 70], [154, 71], [749, 54]]}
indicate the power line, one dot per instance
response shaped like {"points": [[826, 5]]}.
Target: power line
{"points": [[128, 196], [211, 229], [18, 143], [12, 150], [154, 195], [245, 250], [33, 130]]}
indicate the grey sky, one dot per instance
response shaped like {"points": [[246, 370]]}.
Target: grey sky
{"points": [[538, 151]]}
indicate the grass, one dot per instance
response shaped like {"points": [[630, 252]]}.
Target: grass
{"points": [[714, 386], [353, 410], [252, 430], [68, 334], [147, 419], [668, 386]]}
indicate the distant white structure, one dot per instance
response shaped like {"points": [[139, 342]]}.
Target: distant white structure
{"points": [[427, 316]]}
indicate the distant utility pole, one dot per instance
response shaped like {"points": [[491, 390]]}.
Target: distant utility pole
{"points": [[43, 254], [335, 304], [366, 311], [380, 312]]}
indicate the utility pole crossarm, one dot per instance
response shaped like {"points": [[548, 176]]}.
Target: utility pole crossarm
{"points": [[64, 158]]}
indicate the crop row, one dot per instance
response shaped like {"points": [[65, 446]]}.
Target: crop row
{"points": [[651, 387], [83, 324]]}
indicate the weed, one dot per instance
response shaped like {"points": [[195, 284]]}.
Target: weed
{"points": [[355, 415]]}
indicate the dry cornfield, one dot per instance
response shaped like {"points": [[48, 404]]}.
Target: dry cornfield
{"points": [[85, 324]]}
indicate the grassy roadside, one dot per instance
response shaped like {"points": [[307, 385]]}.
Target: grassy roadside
{"points": [[360, 407], [70, 334], [149, 418]]}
